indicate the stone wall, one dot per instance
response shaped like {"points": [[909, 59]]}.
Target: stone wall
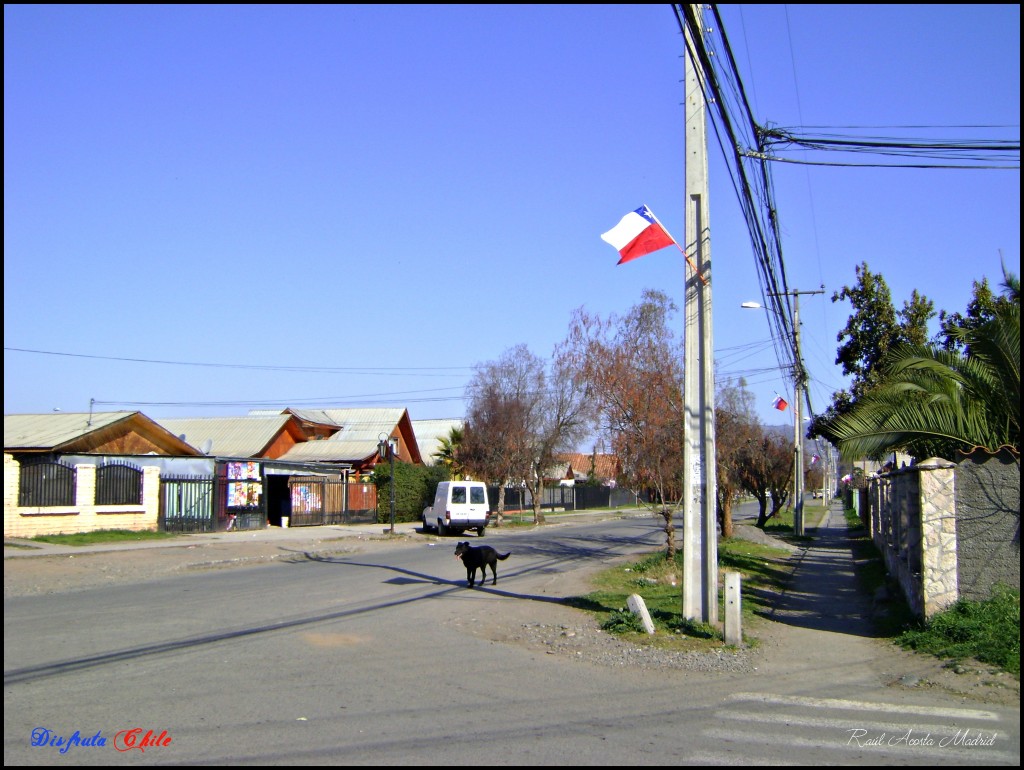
{"points": [[913, 527], [948, 531]]}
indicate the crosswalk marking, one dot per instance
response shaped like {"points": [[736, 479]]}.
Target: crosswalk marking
{"points": [[755, 727], [840, 724], [719, 759], [774, 738], [856, 705]]}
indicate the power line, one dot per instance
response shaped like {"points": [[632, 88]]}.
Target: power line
{"points": [[386, 371], [974, 153]]}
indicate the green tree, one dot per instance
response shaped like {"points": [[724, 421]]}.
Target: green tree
{"points": [[982, 307], [448, 454], [933, 401], [873, 329]]}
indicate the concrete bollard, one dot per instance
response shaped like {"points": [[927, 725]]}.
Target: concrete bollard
{"points": [[733, 618], [638, 608]]}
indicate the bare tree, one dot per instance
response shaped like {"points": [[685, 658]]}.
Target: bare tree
{"points": [[494, 446], [766, 471], [520, 415], [557, 420], [633, 368], [736, 427]]}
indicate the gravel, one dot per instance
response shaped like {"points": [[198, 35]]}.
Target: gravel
{"points": [[586, 643]]}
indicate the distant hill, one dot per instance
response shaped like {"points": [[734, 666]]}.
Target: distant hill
{"points": [[786, 431]]}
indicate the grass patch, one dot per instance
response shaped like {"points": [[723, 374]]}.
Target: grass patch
{"points": [[512, 520], [812, 513], [658, 582], [852, 519], [781, 524], [103, 536], [988, 631], [765, 572]]}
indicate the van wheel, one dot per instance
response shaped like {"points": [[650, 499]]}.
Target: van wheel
{"points": [[426, 527], [442, 530], [479, 531]]}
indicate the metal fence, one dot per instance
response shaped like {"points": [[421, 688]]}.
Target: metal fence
{"points": [[46, 483], [118, 484], [317, 501], [186, 504], [574, 498]]}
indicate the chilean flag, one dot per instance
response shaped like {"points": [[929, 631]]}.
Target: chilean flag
{"points": [[780, 403], [638, 233]]}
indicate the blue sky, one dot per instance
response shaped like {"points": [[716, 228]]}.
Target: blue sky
{"points": [[354, 205]]}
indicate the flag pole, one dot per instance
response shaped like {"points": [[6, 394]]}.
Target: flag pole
{"points": [[681, 249]]}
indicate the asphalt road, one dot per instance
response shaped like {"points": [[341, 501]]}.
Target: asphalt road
{"points": [[387, 659]]}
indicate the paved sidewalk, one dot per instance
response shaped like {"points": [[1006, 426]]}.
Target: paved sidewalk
{"points": [[824, 593], [16, 547]]}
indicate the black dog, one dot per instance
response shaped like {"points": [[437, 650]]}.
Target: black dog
{"points": [[480, 557]]}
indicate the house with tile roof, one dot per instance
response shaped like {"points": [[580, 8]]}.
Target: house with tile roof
{"points": [[578, 466]]}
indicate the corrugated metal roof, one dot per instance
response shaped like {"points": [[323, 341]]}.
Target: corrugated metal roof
{"points": [[356, 440], [429, 434], [356, 423], [48, 431], [229, 436], [330, 450]]}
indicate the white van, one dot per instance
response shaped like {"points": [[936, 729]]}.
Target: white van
{"points": [[458, 506]]}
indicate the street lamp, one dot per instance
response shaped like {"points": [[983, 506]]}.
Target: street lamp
{"points": [[386, 450]]}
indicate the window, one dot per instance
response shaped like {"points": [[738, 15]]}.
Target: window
{"points": [[476, 495], [458, 495]]}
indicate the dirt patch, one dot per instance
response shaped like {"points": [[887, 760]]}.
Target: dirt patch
{"points": [[75, 572]]}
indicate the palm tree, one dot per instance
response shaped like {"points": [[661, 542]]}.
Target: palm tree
{"points": [[447, 455], [935, 402]]}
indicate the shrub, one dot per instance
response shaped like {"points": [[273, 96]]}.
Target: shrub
{"points": [[414, 489], [988, 631]]}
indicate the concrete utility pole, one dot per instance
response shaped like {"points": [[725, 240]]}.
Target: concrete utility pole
{"points": [[700, 524], [799, 380]]}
